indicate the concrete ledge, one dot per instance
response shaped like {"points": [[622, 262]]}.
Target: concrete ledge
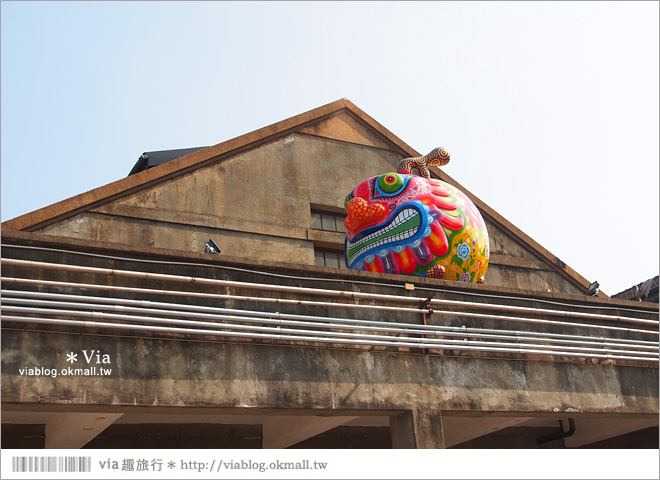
{"points": [[244, 376]]}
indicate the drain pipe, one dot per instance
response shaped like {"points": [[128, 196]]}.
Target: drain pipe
{"points": [[561, 434]]}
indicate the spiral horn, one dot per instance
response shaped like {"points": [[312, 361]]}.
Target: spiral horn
{"points": [[435, 158]]}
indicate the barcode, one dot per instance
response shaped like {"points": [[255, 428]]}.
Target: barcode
{"points": [[51, 464]]}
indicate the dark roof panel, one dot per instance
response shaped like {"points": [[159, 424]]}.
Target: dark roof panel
{"points": [[153, 159], [644, 292]]}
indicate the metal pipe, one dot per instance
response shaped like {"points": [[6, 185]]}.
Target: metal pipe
{"points": [[543, 321], [547, 311], [312, 291], [333, 322], [294, 277], [219, 296], [444, 343], [201, 280], [281, 336], [560, 434], [314, 324], [114, 288], [303, 302]]}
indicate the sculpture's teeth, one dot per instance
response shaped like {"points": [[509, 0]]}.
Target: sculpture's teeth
{"points": [[405, 225]]}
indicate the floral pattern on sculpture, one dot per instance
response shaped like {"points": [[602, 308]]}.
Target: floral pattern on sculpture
{"points": [[463, 251]]}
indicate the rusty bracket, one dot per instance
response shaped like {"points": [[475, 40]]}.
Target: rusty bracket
{"points": [[426, 304]]}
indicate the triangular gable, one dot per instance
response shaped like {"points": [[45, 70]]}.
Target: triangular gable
{"points": [[378, 135], [340, 120], [346, 127]]}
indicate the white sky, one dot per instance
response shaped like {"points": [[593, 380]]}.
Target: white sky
{"points": [[549, 109]]}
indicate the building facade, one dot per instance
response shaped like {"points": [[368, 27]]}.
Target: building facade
{"points": [[271, 344]]}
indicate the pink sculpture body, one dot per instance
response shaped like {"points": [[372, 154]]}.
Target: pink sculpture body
{"points": [[413, 225]]}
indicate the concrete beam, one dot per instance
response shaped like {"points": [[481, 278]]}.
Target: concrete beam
{"points": [[417, 428], [74, 430], [591, 430], [284, 431], [347, 381], [462, 429]]}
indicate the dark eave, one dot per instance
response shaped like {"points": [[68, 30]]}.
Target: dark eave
{"points": [[644, 292], [153, 159]]}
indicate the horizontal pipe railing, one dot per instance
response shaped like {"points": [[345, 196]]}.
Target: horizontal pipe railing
{"points": [[310, 325], [304, 336], [221, 266], [46, 299], [327, 304], [309, 328], [216, 296], [318, 291]]}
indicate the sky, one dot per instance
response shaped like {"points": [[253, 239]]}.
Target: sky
{"points": [[550, 110]]}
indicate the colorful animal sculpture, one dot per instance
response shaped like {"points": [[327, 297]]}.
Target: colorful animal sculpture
{"points": [[413, 225]]}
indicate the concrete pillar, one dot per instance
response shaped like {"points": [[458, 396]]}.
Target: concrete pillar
{"points": [[417, 428]]}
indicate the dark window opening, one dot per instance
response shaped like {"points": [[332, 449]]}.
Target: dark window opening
{"points": [[329, 258], [328, 221]]}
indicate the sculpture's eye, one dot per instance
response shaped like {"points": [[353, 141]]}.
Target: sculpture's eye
{"points": [[390, 183]]}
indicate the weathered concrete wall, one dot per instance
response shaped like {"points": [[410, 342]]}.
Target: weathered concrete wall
{"points": [[266, 191], [515, 266], [204, 265], [204, 372], [157, 372], [256, 205]]}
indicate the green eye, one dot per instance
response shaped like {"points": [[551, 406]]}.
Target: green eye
{"points": [[390, 183]]}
